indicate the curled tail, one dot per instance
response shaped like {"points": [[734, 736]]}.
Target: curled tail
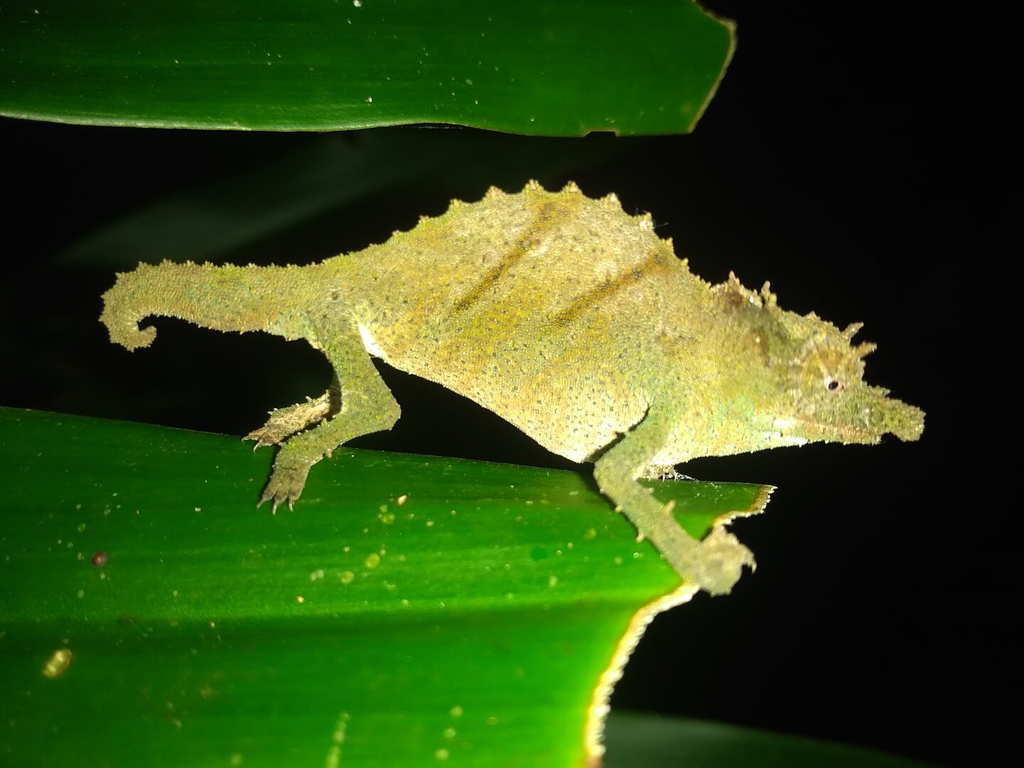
{"points": [[227, 298], [125, 305]]}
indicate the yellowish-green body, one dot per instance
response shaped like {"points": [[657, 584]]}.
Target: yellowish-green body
{"points": [[563, 315]]}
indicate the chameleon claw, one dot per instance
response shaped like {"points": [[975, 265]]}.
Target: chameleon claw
{"points": [[257, 435], [285, 485], [276, 501]]}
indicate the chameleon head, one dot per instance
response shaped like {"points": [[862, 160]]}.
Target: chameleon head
{"points": [[799, 379], [828, 398]]}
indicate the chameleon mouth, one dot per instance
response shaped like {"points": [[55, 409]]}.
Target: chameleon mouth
{"points": [[816, 431], [863, 419]]}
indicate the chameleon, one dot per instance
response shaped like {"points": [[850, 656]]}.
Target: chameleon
{"points": [[565, 316]]}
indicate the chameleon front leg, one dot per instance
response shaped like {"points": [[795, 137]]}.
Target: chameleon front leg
{"points": [[714, 564], [366, 406]]}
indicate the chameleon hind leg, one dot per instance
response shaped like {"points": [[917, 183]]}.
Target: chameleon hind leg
{"points": [[714, 564], [366, 406]]}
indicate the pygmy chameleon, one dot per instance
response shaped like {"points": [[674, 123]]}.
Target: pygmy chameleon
{"points": [[563, 315]]}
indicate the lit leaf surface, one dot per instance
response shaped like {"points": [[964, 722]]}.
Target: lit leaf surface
{"points": [[410, 610], [535, 66]]}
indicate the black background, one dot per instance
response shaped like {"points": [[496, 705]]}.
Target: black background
{"points": [[856, 162]]}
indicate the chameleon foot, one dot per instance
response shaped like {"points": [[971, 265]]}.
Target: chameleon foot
{"points": [[285, 484], [285, 422], [720, 561]]}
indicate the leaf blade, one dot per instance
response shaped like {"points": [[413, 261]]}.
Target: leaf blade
{"points": [[535, 67], [211, 631]]}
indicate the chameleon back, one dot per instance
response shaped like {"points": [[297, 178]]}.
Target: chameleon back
{"points": [[536, 305]]}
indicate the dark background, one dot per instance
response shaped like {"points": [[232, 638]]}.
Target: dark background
{"points": [[854, 161]]}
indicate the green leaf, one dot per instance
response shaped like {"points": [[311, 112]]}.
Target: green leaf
{"points": [[410, 610], [542, 67]]}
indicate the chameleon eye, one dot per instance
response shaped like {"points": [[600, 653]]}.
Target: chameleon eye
{"points": [[833, 385]]}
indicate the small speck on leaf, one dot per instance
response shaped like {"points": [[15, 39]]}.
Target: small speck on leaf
{"points": [[58, 663]]}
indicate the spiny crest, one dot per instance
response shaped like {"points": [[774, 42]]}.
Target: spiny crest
{"points": [[733, 295], [496, 194], [533, 186], [817, 352], [828, 357], [610, 201], [570, 188], [497, 198], [865, 347]]}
